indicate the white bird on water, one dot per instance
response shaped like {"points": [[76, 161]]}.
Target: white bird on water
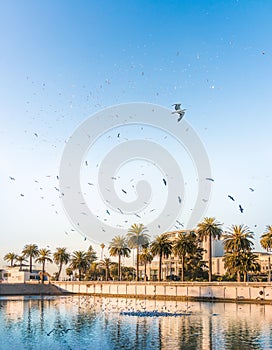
{"points": [[179, 111]]}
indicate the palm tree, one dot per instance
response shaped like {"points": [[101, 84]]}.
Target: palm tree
{"points": [[106, 264], [102, 246], [69, 271], [266, 243], [137, 238], [20, 259], [61, 257], [184, 244], [79, 262], [209, 229], [30, 251], [145, 257], [241, 263], [237, 245], [237, 238], [10, 257], [162, 247], [44, 256], [118, 247]]}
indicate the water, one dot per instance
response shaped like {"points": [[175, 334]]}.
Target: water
{"points": [[85, 322]]}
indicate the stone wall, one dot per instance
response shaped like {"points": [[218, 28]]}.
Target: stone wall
{"points": [[253, 292]]}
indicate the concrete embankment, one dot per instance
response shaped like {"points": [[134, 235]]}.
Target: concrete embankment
{"points": [[30, 289], [215, 291]]}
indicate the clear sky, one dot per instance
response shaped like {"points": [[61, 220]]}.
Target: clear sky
{"points": [[61, 62]]}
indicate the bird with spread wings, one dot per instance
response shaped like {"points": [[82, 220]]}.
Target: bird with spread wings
{"points": [[179, 111]]}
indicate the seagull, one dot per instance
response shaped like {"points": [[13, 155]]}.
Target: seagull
{"points": [[12, 178], [240, 208], [179, 199], [209, 179], [164, 181], [251, 189], [179, 111], [231, 197], [124, 191]]}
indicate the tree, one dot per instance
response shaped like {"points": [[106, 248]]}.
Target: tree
{"points": [[10, 257], [137, 238], [209, 229], [162, 247], [185, 244], [237, 245], [118, 247], [20, 259], [266, 243], [102, 246], [30, 251], [238, 263], [79, 261], [145, 257], [106, 264], [43, 257], [61, 257]]}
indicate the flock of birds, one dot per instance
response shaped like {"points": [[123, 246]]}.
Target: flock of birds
{"points": [[177, 110]]}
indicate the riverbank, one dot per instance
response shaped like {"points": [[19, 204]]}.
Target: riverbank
{"points": [[7, 289], [198, 291]]}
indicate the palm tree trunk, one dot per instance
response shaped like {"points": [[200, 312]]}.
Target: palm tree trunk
{"points": [[210, 257], [43, 270], [269, 269], [60, 268], [160, 267], [182, 268], [245, 276], [119, 268], [238, 276], [30, 263], [137, 263]]}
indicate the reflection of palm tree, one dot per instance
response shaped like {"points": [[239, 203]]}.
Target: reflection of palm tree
{"points": [[209, 229], [266, 243], [61, 257], [145, 257], [162, 247], [30, 251], [185, 244], [10, 257], [44, 256], [137, 238], [118, 247]]}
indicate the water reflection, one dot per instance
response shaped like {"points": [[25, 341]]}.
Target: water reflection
{"points": [[83, 322]]}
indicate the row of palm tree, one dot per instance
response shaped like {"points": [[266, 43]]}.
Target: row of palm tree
{"points": [[238, 258]]}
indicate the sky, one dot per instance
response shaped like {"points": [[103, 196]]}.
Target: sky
{"points": [[63, 62]]}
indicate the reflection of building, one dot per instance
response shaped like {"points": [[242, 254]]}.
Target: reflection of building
{"points": [[16, 275], [171, 266]]}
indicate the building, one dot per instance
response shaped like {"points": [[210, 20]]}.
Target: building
{"points": [[17, 275]]}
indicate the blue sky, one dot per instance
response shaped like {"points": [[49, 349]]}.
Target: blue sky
{"points": [[61, 62]]}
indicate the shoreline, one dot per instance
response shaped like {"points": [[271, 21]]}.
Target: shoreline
{"points": [[228, 292]]}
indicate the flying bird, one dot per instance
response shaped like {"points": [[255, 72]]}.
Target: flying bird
{"points": [[179, 111], [251, 189], [12, 178], [209, 179], [179, 199], [124, 191], [164, 181], [240, 208], [231, 198]]}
